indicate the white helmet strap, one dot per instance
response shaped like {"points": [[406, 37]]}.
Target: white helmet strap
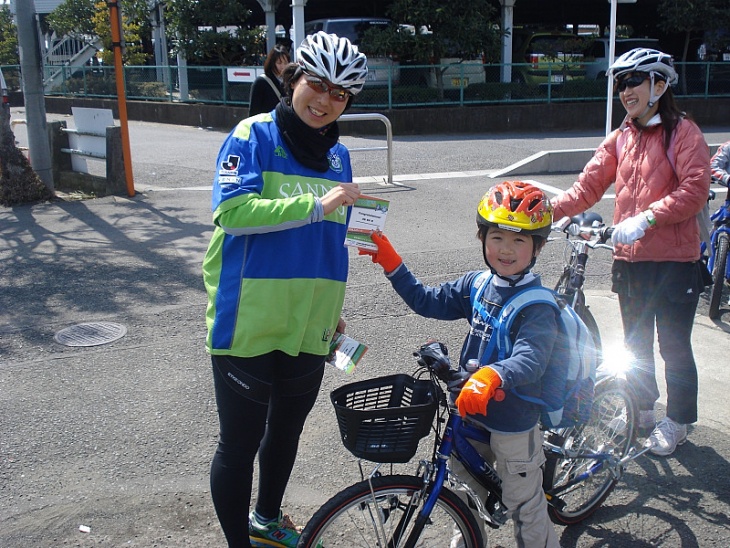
{"points": [[654, 97]]}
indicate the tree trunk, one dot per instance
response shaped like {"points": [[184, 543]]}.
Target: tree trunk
{"points": [[19, 184]]}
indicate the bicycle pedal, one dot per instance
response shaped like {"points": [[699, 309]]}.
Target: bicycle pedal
{"points": [[556, 502], [497, 514]]}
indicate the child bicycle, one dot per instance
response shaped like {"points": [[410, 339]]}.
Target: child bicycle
{"points": [[383, 419], [717, 262]]}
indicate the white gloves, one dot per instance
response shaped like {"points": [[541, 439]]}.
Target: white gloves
{"points": [[629, 230]]}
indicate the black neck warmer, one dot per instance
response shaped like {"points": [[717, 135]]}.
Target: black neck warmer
{"points": [[309, 146]]}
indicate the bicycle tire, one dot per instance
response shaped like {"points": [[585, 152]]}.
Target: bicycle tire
{"points": [[612, 427], [348, 519], [718, 276]]}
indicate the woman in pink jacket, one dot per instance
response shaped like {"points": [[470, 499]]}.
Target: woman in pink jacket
{"points": [[659, 162]]}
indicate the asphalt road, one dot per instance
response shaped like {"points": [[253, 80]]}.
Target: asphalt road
{"points": [[118, 437]]}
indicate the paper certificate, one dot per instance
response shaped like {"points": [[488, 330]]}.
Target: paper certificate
{"points": [[368, 215], [345, 352]]}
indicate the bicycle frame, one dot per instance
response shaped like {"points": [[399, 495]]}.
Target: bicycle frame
{"points": [[575, 270], [454, 442], [577, 454], [721, 221]]}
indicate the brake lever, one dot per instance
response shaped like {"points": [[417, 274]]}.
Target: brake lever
{"points": [[457, 380], [605, 234]]}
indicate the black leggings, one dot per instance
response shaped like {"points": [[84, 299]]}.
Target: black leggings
{"points": [[262, 405]]}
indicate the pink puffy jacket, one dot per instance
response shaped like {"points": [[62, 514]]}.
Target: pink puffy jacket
{"points": [[645, 179]]}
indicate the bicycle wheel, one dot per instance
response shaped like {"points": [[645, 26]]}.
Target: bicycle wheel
{"points": [[385, 516], [610, 430], [718, 276]]}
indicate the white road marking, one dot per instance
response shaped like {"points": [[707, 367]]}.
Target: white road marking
{"points": [[399, 180]]}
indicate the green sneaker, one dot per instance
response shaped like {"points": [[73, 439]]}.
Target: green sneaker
{"points": [[281, 532]]}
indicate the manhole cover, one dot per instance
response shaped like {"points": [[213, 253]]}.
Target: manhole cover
{"points": [[90, 334]]}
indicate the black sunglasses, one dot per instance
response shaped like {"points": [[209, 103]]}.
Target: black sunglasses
{"points": [[630, 82]]}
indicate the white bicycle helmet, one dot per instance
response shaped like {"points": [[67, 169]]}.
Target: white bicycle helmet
{"points": [[335, 59], [651, 61]]}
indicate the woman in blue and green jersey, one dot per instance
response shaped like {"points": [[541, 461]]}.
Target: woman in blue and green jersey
{"points": [[275, 273]]}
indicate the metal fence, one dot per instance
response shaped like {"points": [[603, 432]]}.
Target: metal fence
{"points": [[389, 86]]}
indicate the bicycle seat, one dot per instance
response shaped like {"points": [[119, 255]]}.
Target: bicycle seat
{"points": [[587, 219]]}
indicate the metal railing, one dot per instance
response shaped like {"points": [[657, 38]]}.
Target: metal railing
{"points": [[391, 86], [388, 138]]}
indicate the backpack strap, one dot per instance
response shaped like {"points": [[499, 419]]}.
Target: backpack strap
{"points": [[478, 286], [273, 85], [502, 324], [621, 141], [510, 310]]}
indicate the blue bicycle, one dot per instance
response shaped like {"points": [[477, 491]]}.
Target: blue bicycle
{"points": [[383, 419], [717, 263]]}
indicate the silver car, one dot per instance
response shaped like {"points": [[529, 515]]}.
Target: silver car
{"points": [[596, 57]]}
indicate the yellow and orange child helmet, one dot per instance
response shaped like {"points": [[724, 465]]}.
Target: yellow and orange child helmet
{"points": [[516, 206]]}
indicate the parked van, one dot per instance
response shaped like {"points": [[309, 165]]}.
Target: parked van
{"points": [[381, 70], [458, 73], [455, 71], [596, 57], [551, 56]]}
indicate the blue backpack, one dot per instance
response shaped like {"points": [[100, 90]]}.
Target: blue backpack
{"points": [[568, 383]]}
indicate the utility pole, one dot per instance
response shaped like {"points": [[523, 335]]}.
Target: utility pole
{"points": [[33, 95], [115, 18]]}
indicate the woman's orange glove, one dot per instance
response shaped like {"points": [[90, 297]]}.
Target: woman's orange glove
{"points": [[386, 255], [478, 390]]}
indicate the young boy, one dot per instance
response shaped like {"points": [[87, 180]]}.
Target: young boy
{"points": [[513, 221]]}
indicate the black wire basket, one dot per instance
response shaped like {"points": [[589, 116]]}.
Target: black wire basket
{"points": [[383, 419]]}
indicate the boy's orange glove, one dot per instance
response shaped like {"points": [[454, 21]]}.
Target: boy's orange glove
{"points": [[386, 255], [478, 390]]}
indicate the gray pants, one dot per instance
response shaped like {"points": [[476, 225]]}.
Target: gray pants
{"points": [[518, 458]]}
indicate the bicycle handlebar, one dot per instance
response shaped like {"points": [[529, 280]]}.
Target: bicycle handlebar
{"points": [[595, 236], [434, 356]]}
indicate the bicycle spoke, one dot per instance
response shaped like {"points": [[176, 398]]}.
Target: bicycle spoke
{"points": [[385, 516], [584, 482]]}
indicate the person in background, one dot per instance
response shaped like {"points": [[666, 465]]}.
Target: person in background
{"points": [[720, 165], [267, 89], [275, 273], [513, 222], [660, 164]]}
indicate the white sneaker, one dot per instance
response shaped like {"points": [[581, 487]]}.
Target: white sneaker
{"points": [[667, 436], [647, 419]]}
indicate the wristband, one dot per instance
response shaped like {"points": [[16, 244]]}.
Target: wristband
{"points": [[650, 217]]}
